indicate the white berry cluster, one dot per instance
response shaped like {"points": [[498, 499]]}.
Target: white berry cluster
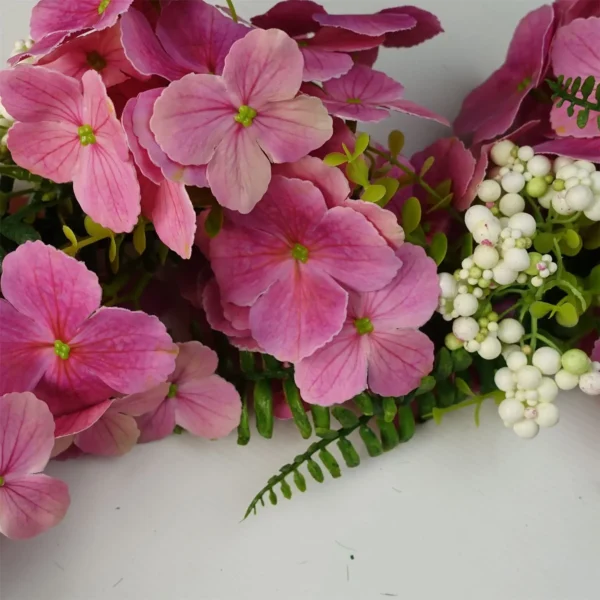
{"points": [[531, 389], [22, 46]]}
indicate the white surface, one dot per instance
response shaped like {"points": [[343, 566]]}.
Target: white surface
{"points": [[459, 512]]}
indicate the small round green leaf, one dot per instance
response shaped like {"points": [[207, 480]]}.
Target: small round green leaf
{"points": [[335, 159], [411, 214]]}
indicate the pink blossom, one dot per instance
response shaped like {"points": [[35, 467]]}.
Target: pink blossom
{"points": [[341, 135], [30, 503], [191, 37], [367, 95], [238, 123], [491, 109], [576, 148], [101, 51], [57, 340], [427, 27], [574, 56], [596, 351], [194, 398], [66, 130], [290, 259], [379, 345]]}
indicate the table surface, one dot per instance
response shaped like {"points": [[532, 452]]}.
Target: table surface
{"points": [[464, 512]]}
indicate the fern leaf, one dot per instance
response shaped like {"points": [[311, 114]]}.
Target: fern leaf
{"points": [[348, 452], [330, 463]]}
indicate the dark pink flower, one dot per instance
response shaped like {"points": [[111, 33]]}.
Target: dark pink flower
{"points": [[427, 27], [491, 109], [57, 340], [596, 351], [379, 345], [30, 503], [576, 148]]}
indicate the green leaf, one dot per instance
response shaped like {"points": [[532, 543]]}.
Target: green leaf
{"points": [[358, 172], [18, 232], [540, 309], [299, 481], [348, 452], [427, 384], [572, 238], [446, 393], [588, 87], [592, 236], [286, 490], [567, 315], [346, 417], [406, 423], [467, 246], [96, 230], [247, 362], [244, 426], [326, 434], [113, 251], [292, 397], [443, 364], [389, 409], [70, 235], [593, 280], [411, 214], [263, 407], [389, 434], [371, 441], [364, 403], [463, 387], [395, 142], [426, 403], [439, 247], [583, 117], [19, 174], [272, 497], [335, 159], [362, 143], [461, 360], [373, 193], [427, 165], [214, 221], [139, 237], [270, 362], [391, 187], [544, 242], [320, 415], [315, 470], [330, 463]]}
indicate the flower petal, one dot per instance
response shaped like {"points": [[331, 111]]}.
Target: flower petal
{"points": [[596, 351], [427, 27], [239, 172], [382, 219], [342, 40], [75, 422], [35, 94], [579, 149], [145, 51], [114, 434], [289, 130], [312, 306], [197, 35], [192, 117], [347, 247], [42, 47], [295, 17], [158, 424], [336, 372], [215, 314], [376, 24], [129, 351], [194, 361], [416, 110], [321, 65], [31, 504], [50, 287], [26, 350], [398, 361], [27, 434], [142, 403], [263, 67], [170, 209]]}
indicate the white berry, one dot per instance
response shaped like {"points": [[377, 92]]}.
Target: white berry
{"points": [[511, 411], [547, 360], [513, 182], [465, 328], [589, 383], [547, 390], [560, 162], [566, 381], [466, 305], [504, 379], [561, 206], [517, 259], [593, 213], [526, 429], [567, 172], [448, 285], [477, 213], [516, 360], [489, 190], [524, 222], [503, 274], [529, 377], [487, 231], [511, 204], [580, 197], [525, 153], [502, 152], [486, 257], [547, 415], [539, 166], [490, 348], [510, 331]]}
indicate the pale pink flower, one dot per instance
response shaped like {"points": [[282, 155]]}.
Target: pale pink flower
{"points": [[66, 130], [491, 109], [194, 398], [367, 95], [379, 346], [239, 123], [57, 341], [101, 51], [290, 259], [30, 503]]}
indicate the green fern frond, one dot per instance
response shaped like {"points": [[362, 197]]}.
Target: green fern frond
{"points": [[577, 92]]}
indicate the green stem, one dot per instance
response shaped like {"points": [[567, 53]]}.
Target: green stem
{"points": [[16, 194], [232, 10], [536, 209], [534, 333], [559, 259], [565, 222], [543, 338]]}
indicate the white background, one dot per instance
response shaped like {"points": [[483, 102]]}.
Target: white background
{"points": [[460, 513]]}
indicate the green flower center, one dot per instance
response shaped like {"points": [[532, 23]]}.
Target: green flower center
{"points": [[363, 326], [524, 84], [103, 6], [86, 135], [172, 390], [245, 115], [1, 481], [61, 349], [300, 252], [353, 100], [96, 61]]}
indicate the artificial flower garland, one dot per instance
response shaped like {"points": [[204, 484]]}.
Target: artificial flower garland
{"points": [[192, 231]]}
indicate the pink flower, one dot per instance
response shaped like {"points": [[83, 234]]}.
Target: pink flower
{"points": [[101, 51], [194, 398], [596, 351], [574, 56], [576, 148], [379, 346], [30, 503], [289, 260], [66, 130], [191, 37], [427, 27], [65, 16], [491, 109], [367, 95], [238, 123], [57, 340]]}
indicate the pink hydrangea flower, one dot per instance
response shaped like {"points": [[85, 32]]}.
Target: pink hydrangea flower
{"points": [[191, 37], [238, 123], [57, 341], [194, 398], [30, 503], [367, 95], [491, 109], [101, 51], [66, 130], [574, 56], [379, 345], [290, 259]]}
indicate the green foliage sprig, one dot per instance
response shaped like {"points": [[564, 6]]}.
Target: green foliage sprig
{"points": [[577, 93]]}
